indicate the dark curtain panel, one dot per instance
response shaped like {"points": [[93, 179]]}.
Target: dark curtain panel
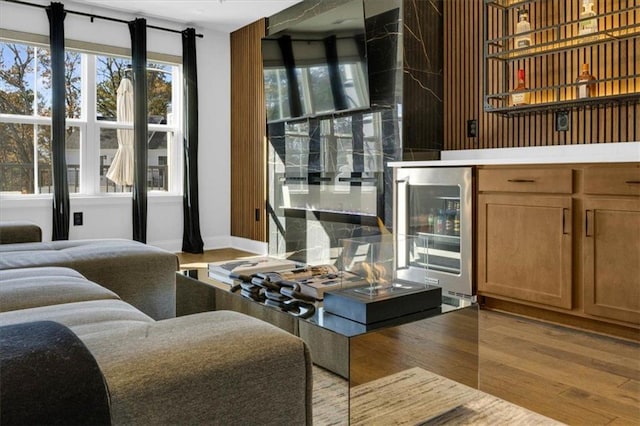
{"points": [[138, 30], [191, 237], [357, 130], [286, 48], [56, 14], [337, 88]]}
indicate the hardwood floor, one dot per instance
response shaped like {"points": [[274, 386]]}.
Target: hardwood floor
{"points": [[572, 376], [569, 375], [211, 256]]}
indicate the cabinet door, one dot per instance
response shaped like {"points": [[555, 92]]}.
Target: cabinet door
{"points": [[524, 248], [612, 259]]}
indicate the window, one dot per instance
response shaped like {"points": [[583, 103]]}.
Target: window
{"points": [[95, 130], [25, 118], [115, 124]]}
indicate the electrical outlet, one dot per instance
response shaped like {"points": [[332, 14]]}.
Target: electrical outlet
{"points": [[77, 218], [562, 121], [472, 128]]}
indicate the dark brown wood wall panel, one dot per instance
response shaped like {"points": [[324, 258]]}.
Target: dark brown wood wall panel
{"points": [[464, 79], [248, 146]]}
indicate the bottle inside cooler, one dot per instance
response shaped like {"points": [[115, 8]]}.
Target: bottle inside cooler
{"points": [[435, 217]]}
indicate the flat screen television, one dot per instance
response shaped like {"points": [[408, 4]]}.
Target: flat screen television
{"points": [[317, 66]]}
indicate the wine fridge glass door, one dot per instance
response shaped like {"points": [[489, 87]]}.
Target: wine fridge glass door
{"points": [[434, 216], [435, 204]]}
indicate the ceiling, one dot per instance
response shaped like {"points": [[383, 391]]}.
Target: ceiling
{"points": [[221, 15]]}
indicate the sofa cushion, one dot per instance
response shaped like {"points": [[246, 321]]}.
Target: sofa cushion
{"points": [[81, 317], [34, 287], [214, 368], [19, 232], [141, 275]]}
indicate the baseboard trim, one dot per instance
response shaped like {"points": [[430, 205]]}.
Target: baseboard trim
{"points": [[244, 244]]}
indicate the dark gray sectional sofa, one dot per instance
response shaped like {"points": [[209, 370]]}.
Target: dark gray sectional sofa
{"points": [[118, 297]]}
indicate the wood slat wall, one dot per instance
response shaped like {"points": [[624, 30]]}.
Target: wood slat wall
{"points": [[463, 74], [248, 134]]}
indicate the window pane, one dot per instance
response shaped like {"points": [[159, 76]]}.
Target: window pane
{"points": [[73, 83], [45, 174], [321, 89], [108, 149], [72, 158], [17, 166], [73, 77], [276, 94], [158, 172], [159, 92], [109, 72], [43, 81], [121, 163], [17, 65], [16, 158]]}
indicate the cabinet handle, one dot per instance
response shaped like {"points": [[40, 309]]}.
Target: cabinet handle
{"points": [[588, 224], [565, 222], [633, 182], [521, 180]]}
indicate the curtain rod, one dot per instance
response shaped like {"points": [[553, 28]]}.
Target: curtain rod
{"points": [[93, 16]]}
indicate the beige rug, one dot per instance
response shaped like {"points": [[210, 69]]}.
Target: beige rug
{"points": [[413, 397], [330, 404]]}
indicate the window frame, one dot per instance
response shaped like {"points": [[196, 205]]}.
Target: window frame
{"points": [[89, 125]]}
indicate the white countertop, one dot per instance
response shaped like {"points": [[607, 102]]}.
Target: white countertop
{"points": [[558, 154]]}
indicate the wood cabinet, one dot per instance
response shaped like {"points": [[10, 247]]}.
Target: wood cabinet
{"points": [[611, 243], [562, 239], [525, 248]]}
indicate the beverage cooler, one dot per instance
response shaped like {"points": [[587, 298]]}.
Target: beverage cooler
{"points": [[435, 204]]}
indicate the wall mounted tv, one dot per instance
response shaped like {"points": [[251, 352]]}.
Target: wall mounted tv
{"points": [[317, 66]]}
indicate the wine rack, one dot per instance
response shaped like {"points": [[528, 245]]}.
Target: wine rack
{"points": [[552, 62]]}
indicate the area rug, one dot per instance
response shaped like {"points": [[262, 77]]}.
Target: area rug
{"points": [[330, 404], [412, 394]]}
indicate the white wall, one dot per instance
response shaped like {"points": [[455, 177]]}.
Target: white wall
{"points": [[110, 217]]}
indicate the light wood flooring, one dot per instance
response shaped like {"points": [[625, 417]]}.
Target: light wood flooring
{"points": [[569, 375]]}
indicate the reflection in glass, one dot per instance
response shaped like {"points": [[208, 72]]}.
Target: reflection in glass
{"points": [[326, 63]]}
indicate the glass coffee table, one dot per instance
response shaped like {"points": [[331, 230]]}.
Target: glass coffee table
{"points": [[443, 340]]}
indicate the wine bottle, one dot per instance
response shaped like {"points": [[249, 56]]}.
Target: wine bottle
{"points": [[456, 223], [523, 26], [588, 20], [586, 87], [431, 218], [521, 95], [440, 219]]}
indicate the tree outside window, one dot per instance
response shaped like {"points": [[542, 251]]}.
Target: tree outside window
{"points": [[25, 94], [25, 119]]}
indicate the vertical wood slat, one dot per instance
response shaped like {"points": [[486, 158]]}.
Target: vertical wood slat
{"points": [[464, 92], [248, 148]]}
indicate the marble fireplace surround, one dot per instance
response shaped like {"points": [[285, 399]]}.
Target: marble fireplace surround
{"points": [[405, 65]]}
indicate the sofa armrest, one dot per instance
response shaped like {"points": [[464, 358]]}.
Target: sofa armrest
{"points": [[141, 275], [209, 368], [12, 232]]}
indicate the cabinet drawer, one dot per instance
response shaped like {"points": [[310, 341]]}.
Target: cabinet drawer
{"points": [[622, 180], [554, 181]]}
